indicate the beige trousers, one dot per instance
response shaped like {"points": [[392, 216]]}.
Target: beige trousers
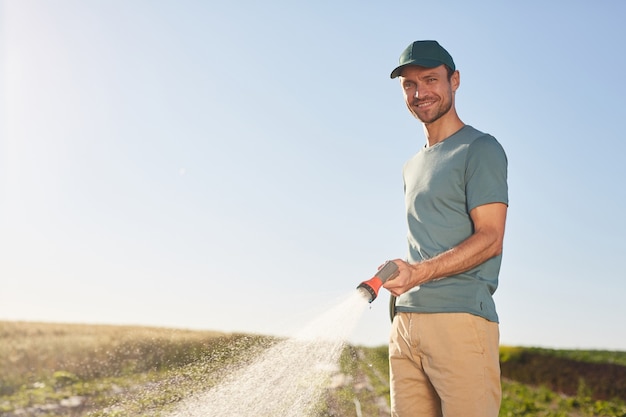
{"points": [[444, 365]]}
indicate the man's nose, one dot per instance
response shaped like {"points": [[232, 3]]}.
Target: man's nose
{"points": [[419, 90]]}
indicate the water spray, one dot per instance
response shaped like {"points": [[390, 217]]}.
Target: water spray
{"points": [[388, 271]]}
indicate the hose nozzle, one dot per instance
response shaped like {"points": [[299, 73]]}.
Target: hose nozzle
{"points": [[372, 285]]}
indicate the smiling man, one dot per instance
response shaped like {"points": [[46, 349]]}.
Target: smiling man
{"points": [[444, 344]]}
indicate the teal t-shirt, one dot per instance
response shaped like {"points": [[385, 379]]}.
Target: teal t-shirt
{"points": [[442, 184]]}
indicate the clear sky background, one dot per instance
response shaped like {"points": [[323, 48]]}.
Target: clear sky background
{"points": [[236, 165]]}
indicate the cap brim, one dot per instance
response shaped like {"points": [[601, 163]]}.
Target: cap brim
{"points": [[427, 63]]}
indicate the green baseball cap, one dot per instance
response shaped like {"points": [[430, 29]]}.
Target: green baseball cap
{"points": [[427, 54]]}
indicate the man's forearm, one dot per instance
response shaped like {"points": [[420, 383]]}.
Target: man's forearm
{"points": [[485, 243], [473, 251]]}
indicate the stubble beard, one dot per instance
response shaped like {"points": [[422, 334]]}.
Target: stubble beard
{"points": [[443, 109]]}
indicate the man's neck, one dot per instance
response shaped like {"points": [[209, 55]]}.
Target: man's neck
{"points": [[442, 129]]}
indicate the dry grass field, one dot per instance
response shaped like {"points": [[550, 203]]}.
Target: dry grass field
{"points": [[50, 370], [30, 350]]}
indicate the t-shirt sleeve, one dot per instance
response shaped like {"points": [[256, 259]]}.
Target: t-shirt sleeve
{"points": [[486, 173]]}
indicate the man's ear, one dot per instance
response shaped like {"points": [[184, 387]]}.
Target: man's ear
{"points": [[455, 80]]}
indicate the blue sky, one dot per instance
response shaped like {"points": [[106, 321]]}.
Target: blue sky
{"points": [[236, 166]]}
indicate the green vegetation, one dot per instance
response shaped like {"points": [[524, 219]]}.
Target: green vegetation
{"points": [[364, 385], [49, 370], [600, 374], [519, 400], [590, 356]]}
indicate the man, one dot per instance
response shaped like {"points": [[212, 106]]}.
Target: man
{"points": [[444, 344]]}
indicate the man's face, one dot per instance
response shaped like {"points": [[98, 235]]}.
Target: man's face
{"points": [[428, 93]]}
